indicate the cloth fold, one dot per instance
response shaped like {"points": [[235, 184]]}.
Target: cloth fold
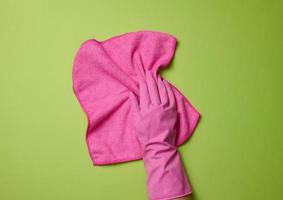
{"points": [[104, 73]]}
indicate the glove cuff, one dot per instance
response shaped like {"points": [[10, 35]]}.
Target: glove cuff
{"points": [[166, 176]]}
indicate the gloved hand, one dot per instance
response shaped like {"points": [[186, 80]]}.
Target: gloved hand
{"points": [[155, 118]]}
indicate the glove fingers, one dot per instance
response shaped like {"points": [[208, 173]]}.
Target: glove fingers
{"points": [[152, 88], [162, 92], [171, 96]]}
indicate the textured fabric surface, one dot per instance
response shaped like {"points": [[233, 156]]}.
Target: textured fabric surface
{"points": [[104, 73]]}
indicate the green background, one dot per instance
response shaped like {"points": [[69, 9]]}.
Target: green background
{"points": [[228, 63]]}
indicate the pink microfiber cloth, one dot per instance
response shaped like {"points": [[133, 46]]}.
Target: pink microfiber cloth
{"points": [[104, 73]]}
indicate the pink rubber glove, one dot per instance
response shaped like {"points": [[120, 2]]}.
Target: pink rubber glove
{"points": [[155, 117]]}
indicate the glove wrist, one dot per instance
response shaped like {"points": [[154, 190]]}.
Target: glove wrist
{"points": [[166, 177]]}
